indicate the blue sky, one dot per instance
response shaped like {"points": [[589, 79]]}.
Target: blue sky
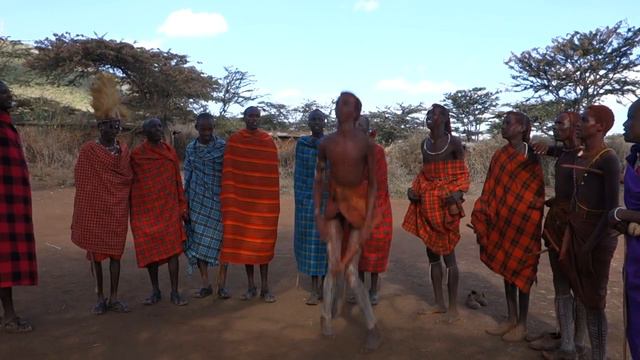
{"points": [[387, 51]]}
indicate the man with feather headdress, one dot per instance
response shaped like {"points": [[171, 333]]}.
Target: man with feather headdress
{"points": [[103, 182]]}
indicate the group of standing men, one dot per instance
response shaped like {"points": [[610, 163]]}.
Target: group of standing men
{"points": [[230, 191], [343, 216]]}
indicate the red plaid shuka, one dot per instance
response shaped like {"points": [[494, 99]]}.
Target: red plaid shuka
{"points": [[157, 203], [375, 251], [430, 219], [507, 217], [17, 244], [101, 206]]}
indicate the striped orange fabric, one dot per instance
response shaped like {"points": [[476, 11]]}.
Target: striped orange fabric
{"points": [[250, 198]]}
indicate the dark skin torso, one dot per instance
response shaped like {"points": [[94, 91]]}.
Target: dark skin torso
{"points": [[453, 152], [598, 191], [564, 176], [348, 155]]}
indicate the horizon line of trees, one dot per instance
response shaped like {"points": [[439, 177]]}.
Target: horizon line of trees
{"points": [[578, 69]]}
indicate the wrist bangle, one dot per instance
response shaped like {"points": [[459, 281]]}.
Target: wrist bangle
{"points": [[615, 214]]}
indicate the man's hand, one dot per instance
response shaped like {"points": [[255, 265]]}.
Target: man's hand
{"points": [[540, 148], [454, 198], [633, 229], [365, 232], [413, 196]]}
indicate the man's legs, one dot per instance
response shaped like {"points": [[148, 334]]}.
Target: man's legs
{"points": [[334, 252], [114, 270], [314, 297], [203, 266], [114, 304], [101, 305], [174, 272], [436, 281], [222, 282], [373, 290], [373, 334], [265, 294], [251, 287], [598, 328], [511, 295], [565, 312], [12, 323], [6, 296], [452, 286], [155, 296]]}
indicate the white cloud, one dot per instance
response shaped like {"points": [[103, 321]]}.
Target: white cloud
{"points": [[186, 23], [421, 87], [366, 5]]}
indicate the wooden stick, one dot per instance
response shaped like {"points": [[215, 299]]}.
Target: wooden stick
{"points": [[570, 166], [550, 238]]}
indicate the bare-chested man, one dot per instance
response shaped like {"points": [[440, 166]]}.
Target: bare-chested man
{"points": [[352, 191], [589, 243], [570, 317], [436, 204]]}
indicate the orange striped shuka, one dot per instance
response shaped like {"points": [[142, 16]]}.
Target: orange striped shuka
{"points": [[250, 198], [157, 203], [430, 220], [507, 217]]}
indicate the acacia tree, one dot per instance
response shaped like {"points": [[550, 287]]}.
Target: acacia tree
{"points": [[541, 113], [581, 68], [12, 54], [275, 116], [470, 110], [395, 123], [157, 83], [236, 88]]}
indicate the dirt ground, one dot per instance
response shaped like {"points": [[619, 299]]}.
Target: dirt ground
{"points": [[60, 307]]}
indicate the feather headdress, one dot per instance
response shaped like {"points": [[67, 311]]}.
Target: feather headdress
{"points": [[106, 101]]}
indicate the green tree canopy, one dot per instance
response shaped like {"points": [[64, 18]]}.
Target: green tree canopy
{"points": [[157, 83], [581, 68], [470, 110]]}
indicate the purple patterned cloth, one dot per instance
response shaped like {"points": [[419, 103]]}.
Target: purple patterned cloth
{"points": [[632, 258]]}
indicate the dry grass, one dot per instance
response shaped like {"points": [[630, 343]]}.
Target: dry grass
{"points": [[52, 151]]}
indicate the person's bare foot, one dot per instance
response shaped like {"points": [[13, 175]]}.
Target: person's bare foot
{"points": [[501, 329], [325, 324], [516, 334], [373, 339], [453, 316]]}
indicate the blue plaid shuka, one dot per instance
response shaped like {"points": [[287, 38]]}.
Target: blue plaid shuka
{"points": [[203, 175], [310, 251]]}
